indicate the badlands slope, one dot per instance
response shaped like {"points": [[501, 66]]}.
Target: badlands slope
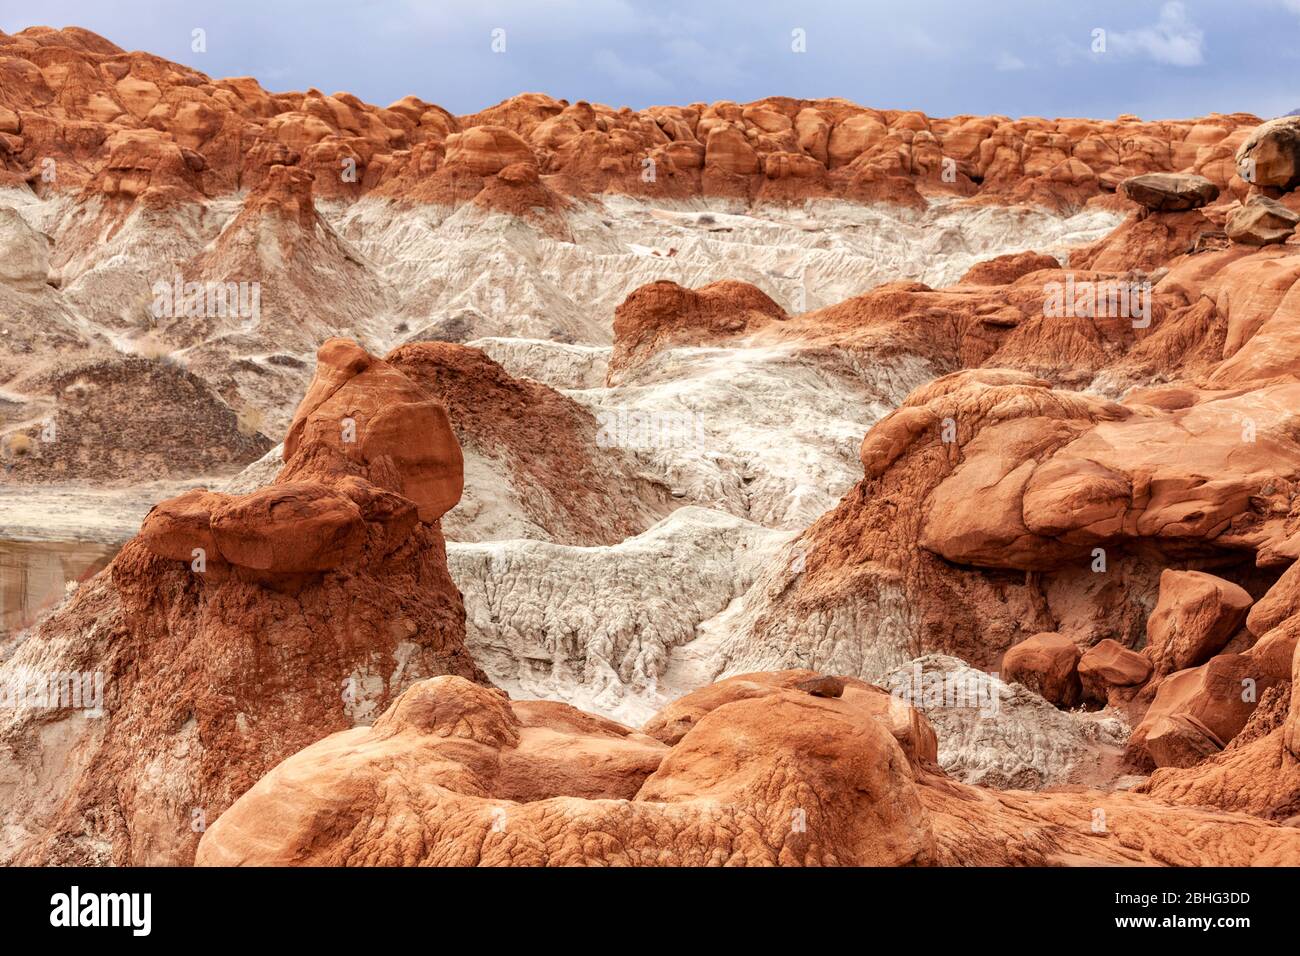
{"points": [[528, 428]]}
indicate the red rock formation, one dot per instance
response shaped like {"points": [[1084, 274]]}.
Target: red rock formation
{"points": [[568, 481], [363, 416], [1075, 504], [1066, 325], [750, 771], [1169, 192], [1272, 153], [1145, 243], [1109, 664], [664, 315], [1028, 502], [844, 797], [1004, 270], [144, 167], [1262, 222], [133, 125], [1258, 771], [1047, 664], [486, 150], [1197, 711], [1194, 618], [236, 630]]}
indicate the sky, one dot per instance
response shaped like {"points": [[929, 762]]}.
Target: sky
{"points": [[1155, 58]]}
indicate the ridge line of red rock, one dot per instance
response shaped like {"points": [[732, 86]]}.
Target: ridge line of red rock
{"points": [[78, 112]]}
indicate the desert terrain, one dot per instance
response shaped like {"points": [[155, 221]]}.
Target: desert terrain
{"points": [[776, 483]]}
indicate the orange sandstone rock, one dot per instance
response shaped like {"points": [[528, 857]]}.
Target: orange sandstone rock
{"points": [[765, 775], [1196, 615], [1048, 665], [1110, 664]]}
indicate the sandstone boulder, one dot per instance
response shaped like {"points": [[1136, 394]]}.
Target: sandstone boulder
{"points": [[1274, 653], [1170, 192], [1262, 222], [1270, 155], [1195, 616], [291, 528], [1255, 773], [176, 527], [369, 413], [1280, 603], [1108, 664], [1180, 740], [1047, 664], [1198, 711]]}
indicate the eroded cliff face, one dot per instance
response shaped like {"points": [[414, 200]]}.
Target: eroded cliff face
{"points": [[134, 127], [237, 629], [215, 225], [924, 489]]}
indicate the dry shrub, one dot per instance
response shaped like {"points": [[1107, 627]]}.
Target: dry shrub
{"points": [[17, 445], [153, 349], [249, 420]]}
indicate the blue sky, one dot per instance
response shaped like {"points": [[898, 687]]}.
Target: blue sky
{"points": [[1015, 57]]}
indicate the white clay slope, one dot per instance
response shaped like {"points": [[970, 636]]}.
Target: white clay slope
{"points": [[594, 626], [471, 275], [772, 441]]}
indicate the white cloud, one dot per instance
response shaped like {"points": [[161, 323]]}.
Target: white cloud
{"points": [[1008, 63], [1174, 40]]}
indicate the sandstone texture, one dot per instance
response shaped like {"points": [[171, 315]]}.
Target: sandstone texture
{"points": [[753, 771], [1261, 222]]}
